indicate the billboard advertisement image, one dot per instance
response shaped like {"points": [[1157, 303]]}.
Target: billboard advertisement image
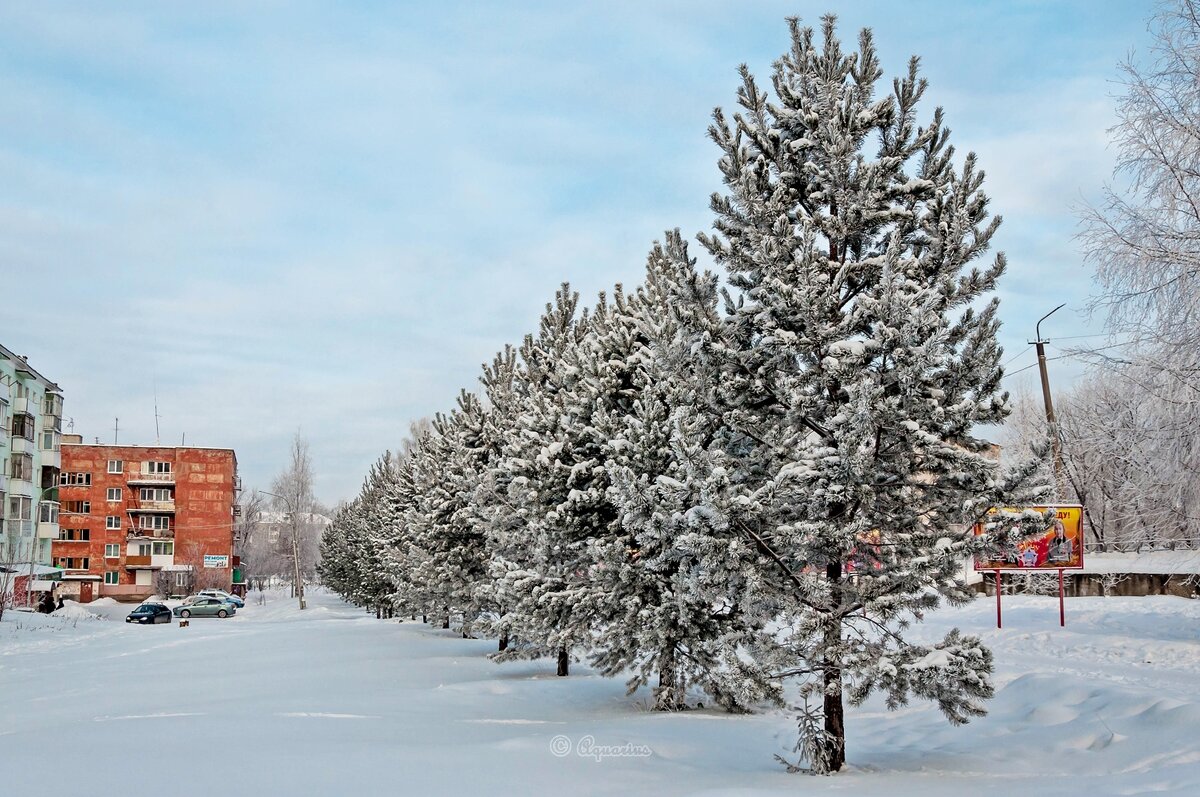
{"points": [[1061, 547]]}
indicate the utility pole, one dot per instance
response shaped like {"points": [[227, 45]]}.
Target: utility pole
{"points": [[1050, 419], [295, 546], [116, 428]]}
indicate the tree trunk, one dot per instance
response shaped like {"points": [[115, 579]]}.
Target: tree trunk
{"points": [[446, 621], [835, 713], [504, 641], [668, 696], [564, 662]]}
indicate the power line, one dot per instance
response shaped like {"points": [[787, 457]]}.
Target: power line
{"points": [[1070, 355], [1017, 357]]}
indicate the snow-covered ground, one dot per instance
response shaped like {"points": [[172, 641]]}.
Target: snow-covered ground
{"points": [[1160, 562], [330, 701]]}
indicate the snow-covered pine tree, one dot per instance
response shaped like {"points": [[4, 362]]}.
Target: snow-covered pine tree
{"points": [[421, 505], [860, 354], [339, 566], [666, 575], [536, 570], [490, 509], [378, 512], [457, 547]]}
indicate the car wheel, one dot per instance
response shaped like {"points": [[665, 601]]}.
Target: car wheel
{"points": [[222, 613], [185, 613]]}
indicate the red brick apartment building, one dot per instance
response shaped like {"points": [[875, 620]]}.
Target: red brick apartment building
{"points": [[142, 520]]}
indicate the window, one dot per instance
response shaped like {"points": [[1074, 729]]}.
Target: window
{"points": [[77, 507], [112, 577], [114, 494], [157, 494], [48, 512], [140, 549], [22, 426], [116, 466], [68, 479], [112, 551], [75, 535], [163, 548], [181, 578], [21, 467], [112, 522], [71, 562], [156, 467], [155, 522], [3, 415], [50, 440], [20, 508], [52, 404]]}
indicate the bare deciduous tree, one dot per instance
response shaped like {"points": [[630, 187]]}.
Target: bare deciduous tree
{"points": [[1144, 238], [15, 556], [1129, 431], [293, 493]]}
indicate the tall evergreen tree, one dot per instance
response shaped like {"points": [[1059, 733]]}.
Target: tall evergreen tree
{"points": [[859, 356], [538, 565], [668, 605]]}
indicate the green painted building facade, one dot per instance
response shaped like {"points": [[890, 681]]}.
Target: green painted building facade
{"points": [[30, 439]]}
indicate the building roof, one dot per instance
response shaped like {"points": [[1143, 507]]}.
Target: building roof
{"points": [[23, 365], [149, 445]]}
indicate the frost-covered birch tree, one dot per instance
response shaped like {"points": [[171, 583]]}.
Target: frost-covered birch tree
{"points": [[1143, 240]]}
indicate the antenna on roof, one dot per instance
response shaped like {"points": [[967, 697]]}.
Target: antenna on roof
{"points": [[116, 428], [157, 437]]}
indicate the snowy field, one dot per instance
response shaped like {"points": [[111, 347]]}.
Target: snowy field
{"points": [[330, 701]]}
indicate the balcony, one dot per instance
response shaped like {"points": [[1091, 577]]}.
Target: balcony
{"points": [[52, 422], [47, 530], [137, 562], [51, 458], [22, 446], [23, 405], [151, 478], [153, 506], [61, 538], [135, 533]]}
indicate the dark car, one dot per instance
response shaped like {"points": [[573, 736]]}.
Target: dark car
{"points": [[149, 613]]}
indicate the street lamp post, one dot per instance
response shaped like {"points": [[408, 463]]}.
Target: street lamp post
{"points": [[295, 546]]}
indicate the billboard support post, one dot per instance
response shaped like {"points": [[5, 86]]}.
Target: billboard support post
{"points": [[1062, 606], [999, 624]]}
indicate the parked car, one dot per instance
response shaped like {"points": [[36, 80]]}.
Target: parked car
{"points": [[149, 613], [205, 607], [221, 594]]}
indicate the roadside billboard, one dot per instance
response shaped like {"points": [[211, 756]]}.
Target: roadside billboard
{"points": [[1060, 548]]}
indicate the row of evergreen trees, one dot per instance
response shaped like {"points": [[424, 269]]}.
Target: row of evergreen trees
{"points": [[731, 489]]}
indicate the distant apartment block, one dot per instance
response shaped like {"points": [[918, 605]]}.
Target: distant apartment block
{"points": [[142, 520], [30, 436]]}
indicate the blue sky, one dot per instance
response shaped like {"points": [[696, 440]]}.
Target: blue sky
{"points": [[324, 216]]}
